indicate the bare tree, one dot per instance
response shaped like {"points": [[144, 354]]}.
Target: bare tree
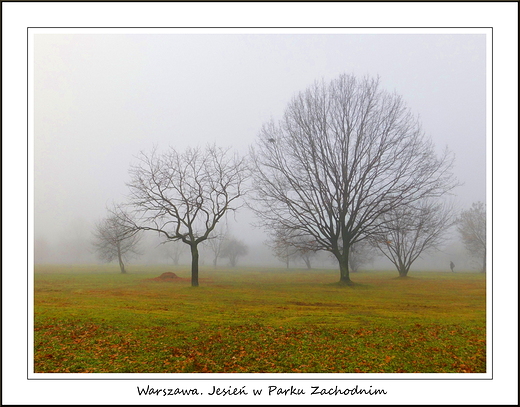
{"points": [[282, 251], [170, 250], [216, 243], [114, 240], [281, 244], [343, 155], [163, 250], [232, 249], [184, 195], [361, 254], [289, 244], [472, 229], [307, 253], [408, 232]]}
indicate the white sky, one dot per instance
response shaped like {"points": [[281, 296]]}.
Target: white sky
{"points": [[101, 98]]}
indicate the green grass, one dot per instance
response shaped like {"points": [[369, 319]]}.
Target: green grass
{"points": [[93, 319]]}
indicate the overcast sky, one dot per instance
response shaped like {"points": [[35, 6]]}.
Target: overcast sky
{"points": [[101, 98]]}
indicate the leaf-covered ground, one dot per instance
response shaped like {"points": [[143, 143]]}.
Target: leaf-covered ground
{"points": [[257, 321]]}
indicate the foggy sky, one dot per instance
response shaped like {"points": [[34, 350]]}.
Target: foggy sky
{"points": [[99, 99]]}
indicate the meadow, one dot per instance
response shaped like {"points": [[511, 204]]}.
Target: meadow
{"points": [[92, 319]]}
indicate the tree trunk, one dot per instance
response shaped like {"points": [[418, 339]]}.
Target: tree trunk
{"points": [[484, 265], [232, 261], [120, 258], [194, 266], [403, 269], [344, 275]]}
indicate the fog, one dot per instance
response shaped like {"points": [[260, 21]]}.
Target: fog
{"points": [[100, 99]]}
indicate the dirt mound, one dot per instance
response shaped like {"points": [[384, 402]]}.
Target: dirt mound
{"points": [[169, 276]]}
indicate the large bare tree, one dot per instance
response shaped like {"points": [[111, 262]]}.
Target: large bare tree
{"points": [[184, 195], [472, 229], [114, 240], [408, 232], [344, 154]]}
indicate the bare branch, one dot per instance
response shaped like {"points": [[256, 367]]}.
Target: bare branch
{"points": [[471, 226], [406, 233], [343, 155], [116, 238], [184, 195]]}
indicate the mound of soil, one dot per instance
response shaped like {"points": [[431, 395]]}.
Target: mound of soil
{"points": [[169, 276]]}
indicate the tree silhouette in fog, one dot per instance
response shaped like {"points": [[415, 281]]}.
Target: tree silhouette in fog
{"points": [[183, 195], [472, 229], [344, 154], [406, 233], [114, 240]]}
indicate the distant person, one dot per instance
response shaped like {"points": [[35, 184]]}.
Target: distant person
{"points": [[452, 266]]}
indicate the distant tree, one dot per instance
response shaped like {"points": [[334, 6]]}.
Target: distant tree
{"points": [[344, 154], [281, 243], [407, 232], [183, 196], [361, 254], [292, 245], [172, 251], [113, 240], [282, 251], [232, 249], [471, 226], [216, 243], [307, 253]]}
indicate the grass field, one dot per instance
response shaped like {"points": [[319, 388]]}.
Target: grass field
{"points": [[93, 319]]}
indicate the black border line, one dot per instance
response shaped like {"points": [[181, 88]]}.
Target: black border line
{"points": [[268, 378]]}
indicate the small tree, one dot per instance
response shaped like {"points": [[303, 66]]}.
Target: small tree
{"points": [[114, 240], [406, 233], [288, 244], [471, 226], [361, 254], [183, 196], [281, 243], [216, 243], [172, 251], [232, 249], [307, 253]]}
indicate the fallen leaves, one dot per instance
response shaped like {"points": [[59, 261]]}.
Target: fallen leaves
{"points": [[255, 348]]}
